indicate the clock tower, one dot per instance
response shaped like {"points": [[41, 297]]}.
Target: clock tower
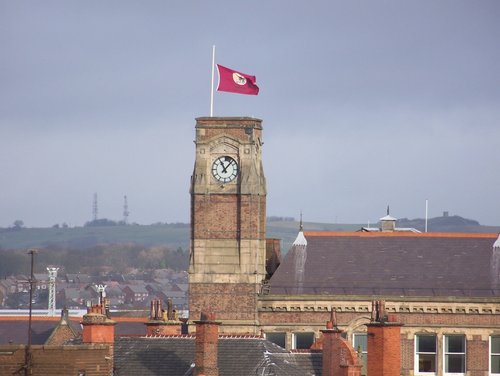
{"points": [[228, 221]]}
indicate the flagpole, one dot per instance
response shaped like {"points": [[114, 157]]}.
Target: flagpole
{"points": [[426, 213], [212, 83]]}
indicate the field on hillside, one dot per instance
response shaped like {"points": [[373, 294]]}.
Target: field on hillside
{"points": [[171, 235], [176, 235]]}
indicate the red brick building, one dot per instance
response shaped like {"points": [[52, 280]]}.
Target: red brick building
{"points": [[443, 288]]}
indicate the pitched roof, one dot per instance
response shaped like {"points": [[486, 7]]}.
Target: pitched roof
{"points": [[14, 329], [151, 356], [137, 289], [409, 264]]}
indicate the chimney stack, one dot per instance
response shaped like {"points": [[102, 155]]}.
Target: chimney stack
{"points": [[206, 346], [339, 357], [97, 327], [384, 343], [162, 323]]}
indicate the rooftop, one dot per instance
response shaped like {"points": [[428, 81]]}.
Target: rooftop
{"points": [[238, 355], [389, 264]]}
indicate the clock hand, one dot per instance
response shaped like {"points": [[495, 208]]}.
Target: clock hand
{"points": [[224, 169]]}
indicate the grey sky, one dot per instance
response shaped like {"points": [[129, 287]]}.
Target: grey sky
{"points": [[365, 103]]}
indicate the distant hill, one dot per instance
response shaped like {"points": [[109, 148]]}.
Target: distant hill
{"points": [[175, 235], [453, 223]]}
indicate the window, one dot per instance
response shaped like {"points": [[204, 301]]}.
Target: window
{"points": [[454, 354], [495, 355], [360, 344], [425, 353], [303, 340], [277, 338]]}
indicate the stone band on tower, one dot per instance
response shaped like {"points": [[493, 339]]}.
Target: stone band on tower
{"points": [[228, 213]]}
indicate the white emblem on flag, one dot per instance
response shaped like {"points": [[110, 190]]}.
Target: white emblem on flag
{"points": [[239, 79]]}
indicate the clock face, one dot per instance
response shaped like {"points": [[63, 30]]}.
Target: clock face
{"points": [[225, 169]]}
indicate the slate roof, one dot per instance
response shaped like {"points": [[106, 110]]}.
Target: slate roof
{"points": [[130, 326], [15, 329], [137, 289], [242, 356], [401, 264]]}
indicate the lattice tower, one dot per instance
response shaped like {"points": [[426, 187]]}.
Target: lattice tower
{"points": [[52, 290], [125, 210], [94, 208]]}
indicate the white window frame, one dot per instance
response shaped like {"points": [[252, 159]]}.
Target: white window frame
{"points": [[416, 353], [490, 354], [446, 353]]}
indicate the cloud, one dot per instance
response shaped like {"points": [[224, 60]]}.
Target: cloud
{"points": [[364, 104]]}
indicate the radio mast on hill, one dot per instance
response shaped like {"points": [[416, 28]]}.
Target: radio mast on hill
{"points": [[125, 210], [94, 208]]}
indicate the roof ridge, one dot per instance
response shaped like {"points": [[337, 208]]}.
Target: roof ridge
{"points": [[221, 336], [401, 234], [239, 336], [34, 318], [188, 336]]}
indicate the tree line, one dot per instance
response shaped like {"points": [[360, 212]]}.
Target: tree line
{"points": [[96, 260]]}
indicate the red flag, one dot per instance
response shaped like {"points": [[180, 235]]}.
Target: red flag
{"points": [[236, 82]]}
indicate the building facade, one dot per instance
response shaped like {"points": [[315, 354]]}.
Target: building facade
{"points": [[443, 288]]}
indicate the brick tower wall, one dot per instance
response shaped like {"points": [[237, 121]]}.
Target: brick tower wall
{"points": [[228, 223]]}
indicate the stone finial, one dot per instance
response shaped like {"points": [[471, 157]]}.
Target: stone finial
{"points": [[332, 324]]}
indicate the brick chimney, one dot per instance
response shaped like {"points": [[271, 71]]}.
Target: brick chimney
{"points": [[206, 346], [97, 327], [162, 323], [339, 357], [384, 343]]}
